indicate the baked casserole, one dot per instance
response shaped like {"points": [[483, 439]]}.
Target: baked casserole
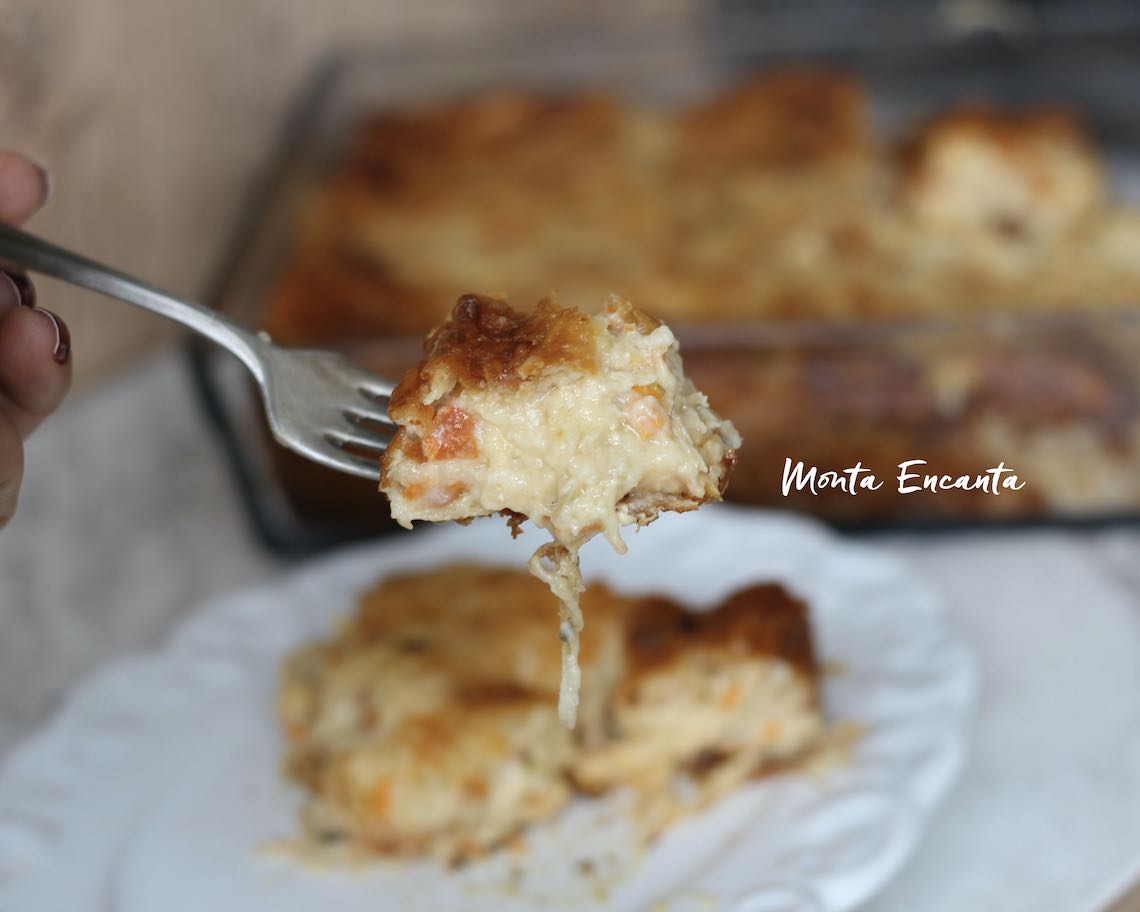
{"points": [[773, 203], [426, 724]]}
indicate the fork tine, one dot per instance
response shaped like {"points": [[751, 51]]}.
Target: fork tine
{"points": [[357, 465], [359, 413], [368, 383], [331, 455], [345, 439], [374, 387], [360, 466]]}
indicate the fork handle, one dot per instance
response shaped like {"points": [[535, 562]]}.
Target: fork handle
{"points": [[19, 248]]}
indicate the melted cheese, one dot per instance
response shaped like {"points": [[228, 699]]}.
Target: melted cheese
{"points": [[557, 566]]}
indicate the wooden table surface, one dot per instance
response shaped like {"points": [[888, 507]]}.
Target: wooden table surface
{"points": [[155, 115]]}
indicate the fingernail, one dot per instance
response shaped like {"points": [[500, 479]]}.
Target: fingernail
{"points": [[48, 182], [8, 288], [62, 350], [25, 290]]}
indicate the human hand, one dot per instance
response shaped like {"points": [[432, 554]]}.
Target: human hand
{"points": [[35, 347]]}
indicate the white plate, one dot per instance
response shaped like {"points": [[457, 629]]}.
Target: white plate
{"points": [[157, 786]]}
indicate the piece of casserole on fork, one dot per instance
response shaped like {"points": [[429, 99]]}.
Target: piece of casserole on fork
{"points": [[581, 423]]}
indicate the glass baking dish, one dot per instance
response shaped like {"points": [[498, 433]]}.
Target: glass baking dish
{"points": [[1051, 398]]}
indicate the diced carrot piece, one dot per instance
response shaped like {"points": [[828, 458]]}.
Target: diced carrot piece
{"points": [[646, 416], [650, 389], [475, 787], [730, 696], [434, 495], [452, 435], [380, 797]]}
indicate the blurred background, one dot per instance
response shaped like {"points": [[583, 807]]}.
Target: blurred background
{"points": [[155, 116], [222, 150]]}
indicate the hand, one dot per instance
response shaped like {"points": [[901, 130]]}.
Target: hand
{"points": [[35, 347]]}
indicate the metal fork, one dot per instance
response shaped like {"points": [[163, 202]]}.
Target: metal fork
{"points": [[318, 403]]}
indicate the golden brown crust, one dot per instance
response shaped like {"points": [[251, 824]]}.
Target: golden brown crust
{"points": [[795, 118], [514, 520], [766, 200], [1006, 181], [485, 341], [391, 147], [762, 621], [1012, 132]]}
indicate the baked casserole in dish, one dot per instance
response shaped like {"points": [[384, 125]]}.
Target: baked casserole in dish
{"points": [[952, 283]]}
